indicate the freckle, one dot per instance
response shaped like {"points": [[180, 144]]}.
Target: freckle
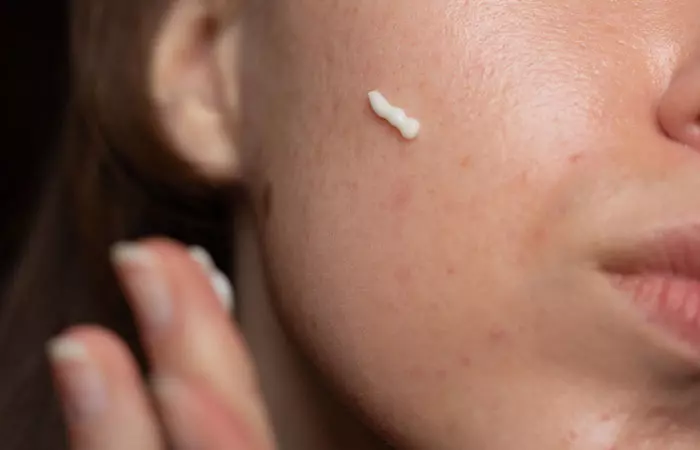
{"points": [[351, 186], [497, 335], [403, 275], [573, 436], [402, 196], [416, 372], [576, 157], [539, 235]]}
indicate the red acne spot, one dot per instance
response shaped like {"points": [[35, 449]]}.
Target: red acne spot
{"points": [[403, 275], [497, 335], [466, 361], [465, 162], [522, 179], [450, 270], [606, 418], [576, 157], [401, 197]]}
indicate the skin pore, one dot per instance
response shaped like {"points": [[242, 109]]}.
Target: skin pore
{"points": [[451, 286]]}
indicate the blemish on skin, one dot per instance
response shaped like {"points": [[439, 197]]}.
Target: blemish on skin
{"points": [[407, 126], [466, 361], [465, 162], [403, 194], [399, 196], [497, 335], [352, 186], [417, 372], [576, 157], [403, 275], [450, 270]]}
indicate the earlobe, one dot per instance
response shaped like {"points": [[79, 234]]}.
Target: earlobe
{"points": [[194, 86]]}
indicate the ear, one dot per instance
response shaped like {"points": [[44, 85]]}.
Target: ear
{"points": [[194, 85]]}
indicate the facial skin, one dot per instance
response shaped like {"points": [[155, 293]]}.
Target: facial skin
{"points": [[453, 286]]}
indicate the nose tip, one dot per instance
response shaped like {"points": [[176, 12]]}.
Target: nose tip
{"points": [[679, 109]]}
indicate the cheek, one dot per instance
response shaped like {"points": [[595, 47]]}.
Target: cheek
{"points": [[407, 268]]}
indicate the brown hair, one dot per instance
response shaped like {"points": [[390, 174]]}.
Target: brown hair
{"points": [[114, 178]]}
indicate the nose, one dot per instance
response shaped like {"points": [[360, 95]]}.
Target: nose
{"points": [[679, 109]]}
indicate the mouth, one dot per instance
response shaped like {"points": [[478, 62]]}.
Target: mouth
{"points": [[662, 277]]}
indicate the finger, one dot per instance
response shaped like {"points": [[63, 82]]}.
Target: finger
{"points": [[105, 403], [196, 419], [186, 330]]}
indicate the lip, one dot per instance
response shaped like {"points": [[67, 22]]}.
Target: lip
{"points": [[662, 277]]}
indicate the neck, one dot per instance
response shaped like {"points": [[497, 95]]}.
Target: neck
{"points": [[306, 415]]}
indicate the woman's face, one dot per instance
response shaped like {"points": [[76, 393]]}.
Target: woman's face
{"points": [[465, 288]]}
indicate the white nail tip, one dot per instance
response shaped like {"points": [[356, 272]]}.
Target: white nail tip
{"points": [[126, 252], [202, 257], [219, 282], [224, 290], [62, 349]]}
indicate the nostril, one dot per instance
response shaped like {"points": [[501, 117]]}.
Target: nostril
{"points": [[679, 107], [692, 133]]}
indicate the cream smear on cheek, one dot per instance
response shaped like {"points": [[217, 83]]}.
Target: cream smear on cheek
{"points": [[407, 126]]}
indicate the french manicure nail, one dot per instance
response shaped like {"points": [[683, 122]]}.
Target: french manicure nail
{"points": [[219, 282], [224, 290], [82, 386], [201, 256], [144, 281]]}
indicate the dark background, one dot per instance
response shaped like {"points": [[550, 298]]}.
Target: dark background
{"points": [[33, 79]]}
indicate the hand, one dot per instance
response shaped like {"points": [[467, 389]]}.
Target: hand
{"points": [[204, 393]]}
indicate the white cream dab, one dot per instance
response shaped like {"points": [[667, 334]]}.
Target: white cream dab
{"points": [[407, 126]]}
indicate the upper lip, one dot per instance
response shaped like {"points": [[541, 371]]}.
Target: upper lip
{"points": [[674, 251]]}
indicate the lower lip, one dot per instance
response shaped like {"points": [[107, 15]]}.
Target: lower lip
{"points": [[669, 301]]}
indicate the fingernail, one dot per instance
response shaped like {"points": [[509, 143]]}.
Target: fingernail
{"points": [[80, 382], [145, 283], [224, 290], [201, 256], [219, 282], [172, 396]]}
